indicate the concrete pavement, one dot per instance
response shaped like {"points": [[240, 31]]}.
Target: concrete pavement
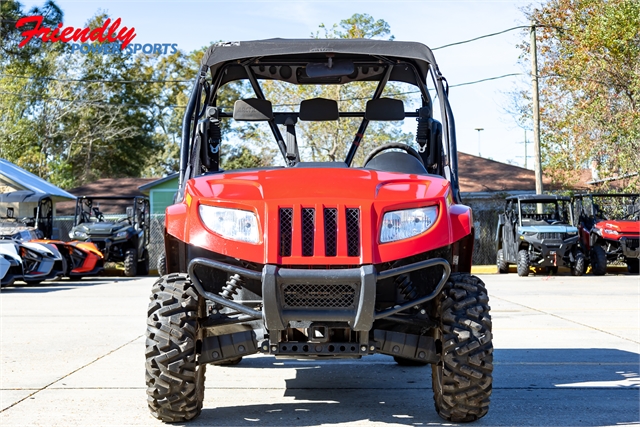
{"points": [[566, 353]]}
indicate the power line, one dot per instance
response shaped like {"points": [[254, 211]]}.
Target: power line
{"points": [[481, 37], [487, 79], [94, 81]]}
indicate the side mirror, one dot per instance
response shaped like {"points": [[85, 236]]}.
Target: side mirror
{"points": [[129, 212], [9, 212]]}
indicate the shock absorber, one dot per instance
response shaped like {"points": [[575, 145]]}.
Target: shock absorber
{"points": [[405, 286], [231, 287]]}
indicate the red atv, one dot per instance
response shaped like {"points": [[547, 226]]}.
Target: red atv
{"points": [[319, 259], [609, 226]]}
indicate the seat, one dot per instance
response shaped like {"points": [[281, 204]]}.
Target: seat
{"points": [[319, 110]]}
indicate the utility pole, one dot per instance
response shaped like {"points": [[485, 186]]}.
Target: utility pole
{"points": [[536, 111], [479, 130]]}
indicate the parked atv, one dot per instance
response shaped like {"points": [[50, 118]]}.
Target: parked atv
{"points": [[80, 258], [609, 227], [536, 231], [319, 259], [28, 261], [118, 226]]}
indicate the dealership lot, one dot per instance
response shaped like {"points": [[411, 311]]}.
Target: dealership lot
{"points": [[566, 353]]}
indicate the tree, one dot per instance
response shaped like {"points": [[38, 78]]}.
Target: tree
{"points": [[589, 68], [358, 26]]}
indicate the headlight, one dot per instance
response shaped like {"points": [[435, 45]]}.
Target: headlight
{"points": [[398, 225], [122, 234], [614, 232], [530, 233], [571, 233], [78, 235], [232, 224]]}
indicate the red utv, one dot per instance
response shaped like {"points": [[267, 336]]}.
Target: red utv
{"points": [[319, 259], [609, 227]]}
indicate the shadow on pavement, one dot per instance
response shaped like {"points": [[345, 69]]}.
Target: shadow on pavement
{"points": [[532, 387], [64, 284]]}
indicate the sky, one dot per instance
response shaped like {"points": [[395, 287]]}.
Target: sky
{"points": [[194, 24]]}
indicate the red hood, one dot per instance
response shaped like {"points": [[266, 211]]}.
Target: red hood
{"points": [[312, 183], [265, 192], [621, 226]]}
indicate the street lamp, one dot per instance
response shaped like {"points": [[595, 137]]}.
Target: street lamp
{"points": [[479, 130]]}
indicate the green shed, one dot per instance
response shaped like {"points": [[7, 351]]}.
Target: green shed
{"points": [[161, 192]]}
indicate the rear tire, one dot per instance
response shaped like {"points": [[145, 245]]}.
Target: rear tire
{"points": [[579, 267], [462, 379], [523, 263], [175, 381], [633, 265], [503, 267], [598, 261], [130, 263]]}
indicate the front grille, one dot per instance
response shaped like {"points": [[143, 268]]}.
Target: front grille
{"points": [[305, 232], [319, 296], [308, 231], [353, 232], [633, 243], [286, 227], [552, 236], [330, 231]]}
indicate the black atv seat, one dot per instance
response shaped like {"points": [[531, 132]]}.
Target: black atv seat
{"points": [[319, 110]]}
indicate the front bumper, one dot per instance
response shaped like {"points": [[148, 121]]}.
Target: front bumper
{"points": [[630, 247], [322, 295], [553, 253]]}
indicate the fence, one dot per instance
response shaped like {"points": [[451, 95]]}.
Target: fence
{"points": [[485, 219]]}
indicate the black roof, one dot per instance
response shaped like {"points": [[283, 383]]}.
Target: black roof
{"points": [[539, 197], [221, 53]]}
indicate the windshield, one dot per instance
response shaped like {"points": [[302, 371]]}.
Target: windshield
{"points": [[95, 210], [534, 212]]}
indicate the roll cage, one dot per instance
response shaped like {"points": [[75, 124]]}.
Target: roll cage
{"points": [[587, 210], [561, 212], [314, 61]]}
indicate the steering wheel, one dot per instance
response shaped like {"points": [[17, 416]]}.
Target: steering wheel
{"points": [[99, 216], [390, 145]]}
